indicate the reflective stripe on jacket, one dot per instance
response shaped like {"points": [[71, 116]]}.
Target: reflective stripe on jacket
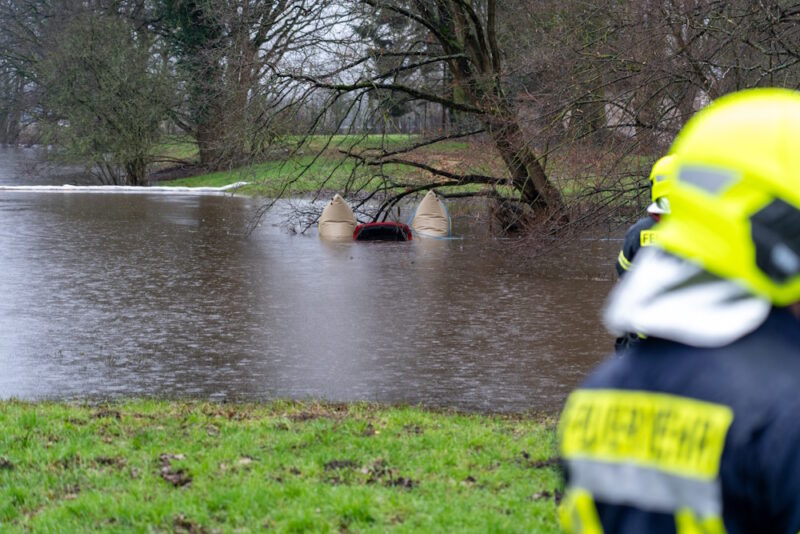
{"points": [[672, 438]]}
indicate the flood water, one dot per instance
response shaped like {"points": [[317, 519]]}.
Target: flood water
{"points": [[105, 295]]}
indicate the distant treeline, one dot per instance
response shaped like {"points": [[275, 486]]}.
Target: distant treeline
{"points": [[560, 90]]}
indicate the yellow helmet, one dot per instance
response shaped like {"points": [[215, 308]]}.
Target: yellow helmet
{"points": [[736, 192], [660, 184]]}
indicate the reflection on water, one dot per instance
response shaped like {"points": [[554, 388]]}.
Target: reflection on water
{"points": [[24, 166], [111, 295]]}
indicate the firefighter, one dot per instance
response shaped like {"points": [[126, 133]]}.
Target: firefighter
{"points": [[641, 234], [697, 428]]}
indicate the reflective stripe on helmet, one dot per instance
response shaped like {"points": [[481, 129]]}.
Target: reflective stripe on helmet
{"points": [[708, 179]]}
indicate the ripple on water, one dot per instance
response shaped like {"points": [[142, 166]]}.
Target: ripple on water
{"points": [[137, 295]]}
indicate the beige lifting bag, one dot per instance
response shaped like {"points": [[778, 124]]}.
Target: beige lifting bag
{"points": [[337, 220], [431, 218]]}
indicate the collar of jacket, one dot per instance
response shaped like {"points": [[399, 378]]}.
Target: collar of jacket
{"points": [[667, 297]]}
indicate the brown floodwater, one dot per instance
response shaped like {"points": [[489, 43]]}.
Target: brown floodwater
{"points": [[115, 295]]}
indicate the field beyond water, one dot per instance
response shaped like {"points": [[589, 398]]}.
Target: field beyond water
{"points": [[287, 467], [319, 164]]}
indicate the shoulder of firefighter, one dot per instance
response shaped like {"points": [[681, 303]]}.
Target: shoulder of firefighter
{"points": [[640, 234], [644, 439]]}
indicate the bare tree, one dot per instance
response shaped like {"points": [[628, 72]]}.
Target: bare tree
{"points": [[605, 86], [662, 61], [86, 76], [449, 56], [225, 52], [104, 99]]}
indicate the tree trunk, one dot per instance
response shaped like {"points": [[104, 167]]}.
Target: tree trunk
{"points": [[209, 137], [136, 172], [588, 118], [478, 82], [527, 175], [222, 135], [500, 120], [10, 127]]}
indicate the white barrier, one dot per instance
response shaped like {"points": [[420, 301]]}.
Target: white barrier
{"points": [[160, 189]]}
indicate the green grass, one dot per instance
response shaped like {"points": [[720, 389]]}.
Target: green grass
{"points": [[304, 174], [319, 163], [369, 141], [203, 467], [177, 147]]}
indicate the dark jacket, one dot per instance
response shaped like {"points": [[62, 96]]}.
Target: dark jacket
{"points": [[651, 451], [634, 240]]}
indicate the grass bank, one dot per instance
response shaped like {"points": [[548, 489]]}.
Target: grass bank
{"points": [[320, 164], [286, 467]]}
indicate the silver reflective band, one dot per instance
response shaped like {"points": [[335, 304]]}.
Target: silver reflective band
{"points": [[644, 488], [786, 260], [711, 180]]}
